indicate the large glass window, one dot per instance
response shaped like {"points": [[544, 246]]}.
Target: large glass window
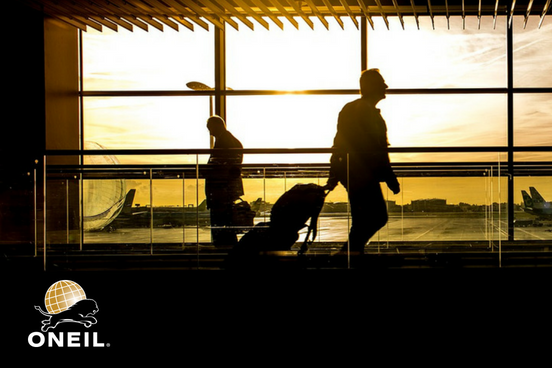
{"points": [[452, 55], [533, 205], [459, 208], [532, 68], [294, 59], [532, 119], [443, 120], [147, 60], [285, 121], [146, 123], [532, 57]]}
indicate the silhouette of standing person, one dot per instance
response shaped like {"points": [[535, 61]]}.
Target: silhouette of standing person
{"points": [[223, 182], [361, 161]]}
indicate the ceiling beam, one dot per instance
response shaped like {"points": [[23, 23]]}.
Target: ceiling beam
{"points": [[232, 10], [447, 14], [186, 13], [479, 15], [430, 8], [220, 13], [544, 11], [350, 13], [317, 13], [382, 13], [202, 13], [184, 22], [135, 12], [175, 14], [126, 16], [399, 14], [79, 21], [299, 11], [285, 13], [415, 13], [511, 14], [495, 16], [265, 10], [252, 13], [334, 13], [367, 15], [527, 13]]}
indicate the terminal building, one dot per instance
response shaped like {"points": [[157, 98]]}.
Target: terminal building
{"points": [[109, 100], [430, 205]]}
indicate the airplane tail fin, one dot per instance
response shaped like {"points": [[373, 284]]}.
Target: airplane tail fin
{"points": [[537, 198], [527, 200], [127, 206], [202, 206]]}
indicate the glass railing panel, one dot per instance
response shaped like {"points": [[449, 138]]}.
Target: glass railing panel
{"points": [[19, 194], [434, 157], [63, 209], [163, 207], [444, 207], [126, 221], [179, 211], [61, 222]]}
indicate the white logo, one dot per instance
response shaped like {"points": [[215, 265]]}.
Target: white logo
{"points": [[66, 302]]}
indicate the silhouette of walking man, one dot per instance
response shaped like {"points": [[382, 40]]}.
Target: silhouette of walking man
{"points": [[223, 182], [361, 161]]}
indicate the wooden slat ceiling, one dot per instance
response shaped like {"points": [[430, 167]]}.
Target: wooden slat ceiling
{"points": [[144, 14]]}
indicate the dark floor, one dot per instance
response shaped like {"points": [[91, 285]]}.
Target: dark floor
{"points": [[444, 255], [184, 303]]}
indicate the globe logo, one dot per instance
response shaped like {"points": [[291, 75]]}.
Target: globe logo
{"points": [[62, 295], [66, 301]]}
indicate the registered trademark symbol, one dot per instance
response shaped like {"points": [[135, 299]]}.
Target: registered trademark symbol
{"points": [[107, 345]]}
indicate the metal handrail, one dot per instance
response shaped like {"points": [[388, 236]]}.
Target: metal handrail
{"points": [[206, 151]]}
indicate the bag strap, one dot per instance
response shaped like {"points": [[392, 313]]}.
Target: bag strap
{"points": [[313, 229]]}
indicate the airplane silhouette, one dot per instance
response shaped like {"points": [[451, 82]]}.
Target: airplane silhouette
{"points": [[535, 204]]}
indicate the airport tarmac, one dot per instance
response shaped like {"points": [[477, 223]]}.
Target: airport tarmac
{"points": [[334, 229]]}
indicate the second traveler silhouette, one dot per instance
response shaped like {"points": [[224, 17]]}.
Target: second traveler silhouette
{"points": [[223, 181], [361, 161]]}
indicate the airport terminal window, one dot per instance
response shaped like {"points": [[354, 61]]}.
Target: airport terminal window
{"points": [[286, 121], [532, 57], [294, 121], [427, 58], [441, 120], [528, 156], [535, 223], [292, 59], [532, 117], [147, 122], [440, 57], [151, 60]]}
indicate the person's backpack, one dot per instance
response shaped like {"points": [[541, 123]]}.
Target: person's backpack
{"points": [[242, 214]]}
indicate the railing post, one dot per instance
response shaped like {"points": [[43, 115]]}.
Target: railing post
{"points": [[35, 214], [510, 107], [44, 214], [151, 210]]}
